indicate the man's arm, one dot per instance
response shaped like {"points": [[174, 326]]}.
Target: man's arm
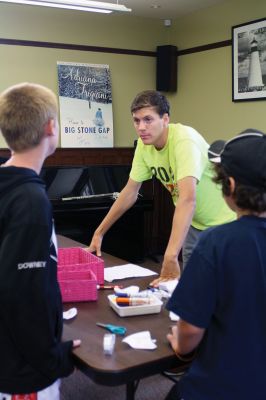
{"points": [[127, 197], [185, 337], [183, 215]]}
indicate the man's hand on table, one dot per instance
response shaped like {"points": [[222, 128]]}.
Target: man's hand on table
{"points": [[95, 245], [170, 270]]}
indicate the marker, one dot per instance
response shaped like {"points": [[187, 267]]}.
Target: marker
{"points": [[131, 301], [153, 288], [109, 287], [136, 295]]}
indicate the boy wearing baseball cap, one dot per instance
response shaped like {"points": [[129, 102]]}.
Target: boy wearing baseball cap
{"points": [[221, 296]]}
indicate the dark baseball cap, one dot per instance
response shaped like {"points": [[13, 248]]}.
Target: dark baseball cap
{"points": [[243, 157]]}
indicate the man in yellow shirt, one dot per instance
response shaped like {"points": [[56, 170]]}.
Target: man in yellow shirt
{"points": [[177, 155]]}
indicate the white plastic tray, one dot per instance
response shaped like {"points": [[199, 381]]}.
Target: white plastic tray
{"points": [[127, 311]]}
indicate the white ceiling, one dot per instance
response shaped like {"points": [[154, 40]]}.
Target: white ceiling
{"points": [[167, 9]]}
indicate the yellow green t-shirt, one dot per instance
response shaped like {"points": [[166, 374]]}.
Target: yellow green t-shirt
{"points": [[185, 154]]}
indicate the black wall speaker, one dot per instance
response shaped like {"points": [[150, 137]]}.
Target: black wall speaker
{"points": [[166, 68]]}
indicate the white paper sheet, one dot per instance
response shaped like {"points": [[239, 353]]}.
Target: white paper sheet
{"points": [[126, 271]]}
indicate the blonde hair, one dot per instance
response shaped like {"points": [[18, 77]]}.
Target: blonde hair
{"points": [[24, 110]]}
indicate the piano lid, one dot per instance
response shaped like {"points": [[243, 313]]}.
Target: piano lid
{"points": [[84, 182]]}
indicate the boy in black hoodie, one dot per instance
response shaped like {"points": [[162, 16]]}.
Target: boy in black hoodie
{"points": [[33, 358]]}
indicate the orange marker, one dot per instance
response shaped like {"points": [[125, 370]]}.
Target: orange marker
{"points": [[131, 301]]}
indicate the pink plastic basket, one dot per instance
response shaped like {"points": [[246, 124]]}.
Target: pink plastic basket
{"points": [[78, 273], [77, 286], [73, 257]]}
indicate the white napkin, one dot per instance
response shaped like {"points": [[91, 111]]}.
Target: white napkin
{"points": [[71, 313], [140, 341], [173, 316], [168, 286]]}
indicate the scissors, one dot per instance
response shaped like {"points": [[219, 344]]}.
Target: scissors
{"points": [[119, 330]]}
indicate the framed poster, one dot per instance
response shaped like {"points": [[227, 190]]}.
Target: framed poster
{"points": [[249, 61], [85, 101]]}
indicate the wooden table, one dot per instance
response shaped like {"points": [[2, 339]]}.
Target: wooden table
{"points": [[126, 365]]}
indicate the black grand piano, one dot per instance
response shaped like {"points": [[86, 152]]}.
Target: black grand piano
{"points": [[82, 195]]}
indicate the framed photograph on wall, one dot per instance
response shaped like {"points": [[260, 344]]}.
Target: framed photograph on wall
{"points": [[249, 61]]}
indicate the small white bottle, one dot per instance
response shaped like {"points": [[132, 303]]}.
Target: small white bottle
{"points": [[109, 343]]}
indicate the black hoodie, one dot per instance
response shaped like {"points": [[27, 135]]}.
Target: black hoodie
{"points": [[32, 355]]}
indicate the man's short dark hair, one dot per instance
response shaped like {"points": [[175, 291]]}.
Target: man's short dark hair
{"points": [[246, 197], [151, 98]]}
